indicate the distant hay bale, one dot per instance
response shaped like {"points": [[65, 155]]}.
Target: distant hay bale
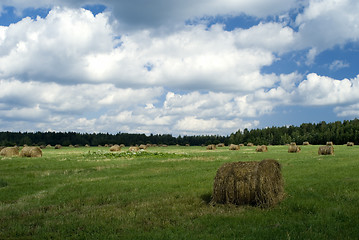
{"points": [[58, 146], [134, 149], [233, 147], [306, 143], [87, 145], [293, 143], [293, 148], [10, 152], [115, 148], [187, 145], [329, 144], [48, 145], [143, 146], [326, 150], [250, 144], [262, 148], [106, 145], [77, 146], [42, 146], [31, 152], [253, 183], [220, 145], [241, 145], [350, 144], [211, 147]]}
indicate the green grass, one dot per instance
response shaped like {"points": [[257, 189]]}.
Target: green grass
{"points": [[164, 193]]}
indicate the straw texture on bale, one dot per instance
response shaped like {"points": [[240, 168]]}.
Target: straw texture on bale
{"points": [[115, 148], [233, 147], [293, 148], [9, 151], [211, 147], [262, 148], [31, 152], [134, 149], [350, 144], [326, 150], [252, 183]]}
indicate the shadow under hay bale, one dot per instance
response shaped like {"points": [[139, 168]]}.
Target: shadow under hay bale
{"points": [[115, 148], [262, 148], [326, 150], [31, 152], [9, 151], [249, 183]]}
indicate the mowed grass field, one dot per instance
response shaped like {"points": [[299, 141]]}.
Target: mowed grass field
{"points": [[164, 193]]}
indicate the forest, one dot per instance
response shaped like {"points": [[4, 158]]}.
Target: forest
{"points": [[315, 133]]}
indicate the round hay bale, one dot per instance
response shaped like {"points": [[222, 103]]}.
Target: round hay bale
{"points": [[233, 147], [250, 144], [329, 144], [306, 143], [134, 149], [262, 148], [42, 146], [220, 145], [31, 152], [122, 145], [211, 147], [87, 145], [241, 145], [115, 148], [350, 144], [143, 146], [326, 150], [48, 145], [293, 143], [10, 152], [253, 183], [293, 149], [58, 146]]}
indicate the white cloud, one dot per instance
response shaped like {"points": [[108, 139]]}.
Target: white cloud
{"points": [[338, 64], [321, 90]]}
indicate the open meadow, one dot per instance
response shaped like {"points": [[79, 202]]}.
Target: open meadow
{"points": [[165, 193]]}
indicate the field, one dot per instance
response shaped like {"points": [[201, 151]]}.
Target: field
{"points": [[164, 193]]}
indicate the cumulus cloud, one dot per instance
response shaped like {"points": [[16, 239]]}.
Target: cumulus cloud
{"points": [[138, 67]]}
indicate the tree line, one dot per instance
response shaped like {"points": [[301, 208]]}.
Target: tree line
{"points": [[315, 133]]}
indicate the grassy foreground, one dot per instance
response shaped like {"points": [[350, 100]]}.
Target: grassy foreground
{"points": [[89, 193]]}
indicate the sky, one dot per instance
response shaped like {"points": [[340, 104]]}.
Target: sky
{"points": [[204, 67]]}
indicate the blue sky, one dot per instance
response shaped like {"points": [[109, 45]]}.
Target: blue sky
{"points": [[179, 67]]}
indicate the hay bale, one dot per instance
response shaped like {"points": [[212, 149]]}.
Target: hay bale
{"points": [[250, 144], [306, 143], [31, 152], [233, 147], [253, 183], [293, 143], [10, 152], [86, 145], [262, 148], [48, 146], [211, 147], [134, 149], [58, 146], [329, 144], [115, 148], [241, 145], [293, 149], [350, 144], [143, 146], [220, 145], [326, 150]]}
